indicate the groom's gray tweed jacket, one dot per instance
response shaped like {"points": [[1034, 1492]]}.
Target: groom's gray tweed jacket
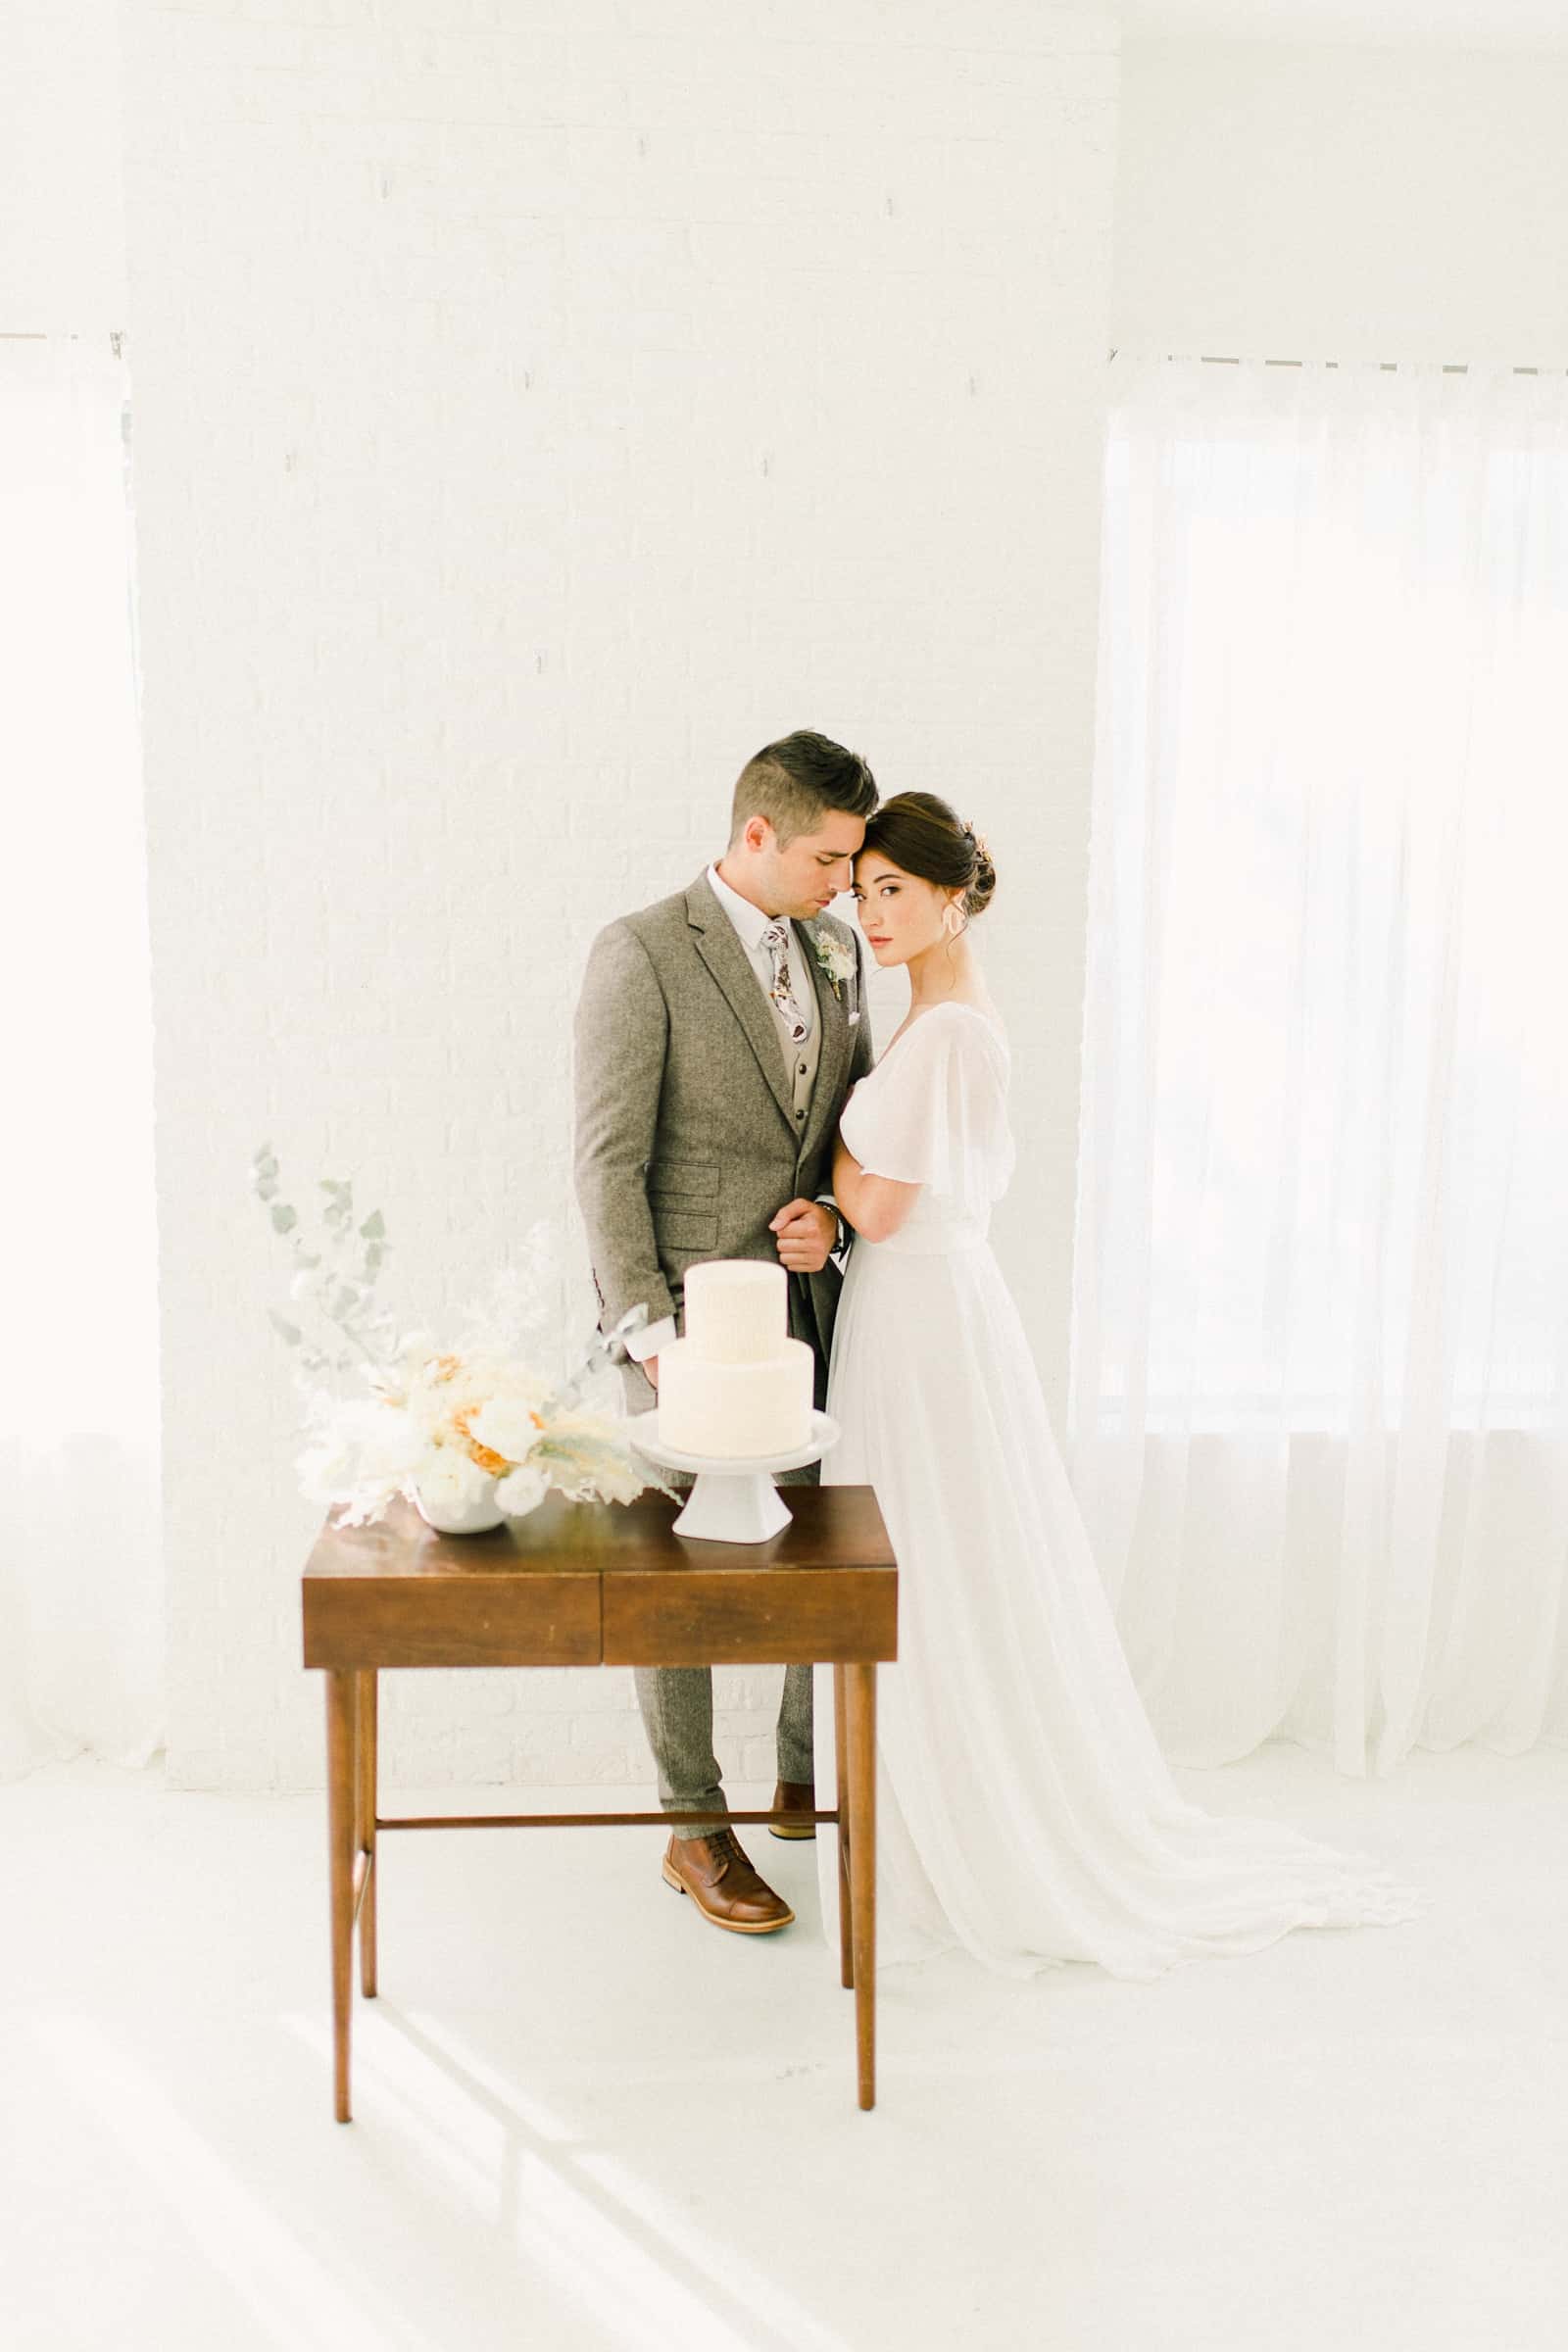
{"points": [[687, 1141]]}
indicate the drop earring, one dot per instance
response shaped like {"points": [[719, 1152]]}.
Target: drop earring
{"points": [[952, 919]]}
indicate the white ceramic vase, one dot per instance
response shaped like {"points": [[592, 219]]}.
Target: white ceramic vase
{"points": [[475, 1518]]}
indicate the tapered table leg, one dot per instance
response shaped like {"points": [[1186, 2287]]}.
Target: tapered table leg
{"points": [[841, 1780], [340, 1803], [365, 1838], [860, 1683]]}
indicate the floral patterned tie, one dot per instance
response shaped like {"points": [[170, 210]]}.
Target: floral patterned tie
{"points": [[776, 937]]}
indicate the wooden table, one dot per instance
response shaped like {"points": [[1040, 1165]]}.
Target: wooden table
{"points": [[599, 1584]]}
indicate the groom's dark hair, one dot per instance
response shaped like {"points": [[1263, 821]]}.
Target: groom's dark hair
{"points": [[794, 781]]}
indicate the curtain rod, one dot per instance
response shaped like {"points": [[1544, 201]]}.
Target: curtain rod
{"points": [[1205, 359], [1208, 359]]}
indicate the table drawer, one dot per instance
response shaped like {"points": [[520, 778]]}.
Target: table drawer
{"points": [[777, 1616], [452, 1621]]}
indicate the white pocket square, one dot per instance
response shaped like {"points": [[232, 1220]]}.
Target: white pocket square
{"points": [[853, 1017]]}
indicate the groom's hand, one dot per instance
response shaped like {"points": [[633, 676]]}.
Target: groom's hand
{"points": [[806, 1231]]}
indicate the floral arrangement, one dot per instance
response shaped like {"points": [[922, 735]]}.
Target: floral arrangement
{"points": [[438, 1425]]}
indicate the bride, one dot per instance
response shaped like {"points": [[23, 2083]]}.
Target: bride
{"points": [[1024, 1810]]}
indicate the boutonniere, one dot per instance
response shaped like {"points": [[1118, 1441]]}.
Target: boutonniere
{"points": [[836, 961]]}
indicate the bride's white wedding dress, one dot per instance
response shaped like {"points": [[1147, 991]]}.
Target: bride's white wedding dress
{"points": [[1024, 1810]]}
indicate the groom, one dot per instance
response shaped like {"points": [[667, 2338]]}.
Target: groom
{"points": [[714, 1051]]}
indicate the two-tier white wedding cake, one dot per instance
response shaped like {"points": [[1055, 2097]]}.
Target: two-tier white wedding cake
{"points": [[736, 1386]]}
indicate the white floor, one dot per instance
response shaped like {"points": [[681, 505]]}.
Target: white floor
{"points": [[585, 2118]]}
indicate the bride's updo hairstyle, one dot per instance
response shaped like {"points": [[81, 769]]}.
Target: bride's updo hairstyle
{"points": [[921, 834]]}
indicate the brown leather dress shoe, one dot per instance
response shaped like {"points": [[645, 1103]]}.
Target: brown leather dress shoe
{"points": [[725, 1888], [794, 1796]]}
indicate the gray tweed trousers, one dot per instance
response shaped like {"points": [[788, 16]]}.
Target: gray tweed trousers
{"points": [[677, 1701], [677, 1709]]}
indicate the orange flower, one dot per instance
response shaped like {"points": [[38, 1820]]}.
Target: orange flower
{"points": [[496, 1464]]}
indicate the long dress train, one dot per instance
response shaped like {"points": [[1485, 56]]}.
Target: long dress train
{"points": [[1025, 1811]]}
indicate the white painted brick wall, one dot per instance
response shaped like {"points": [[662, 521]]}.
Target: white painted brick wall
{"points": [[62, 225], [538, 407]]}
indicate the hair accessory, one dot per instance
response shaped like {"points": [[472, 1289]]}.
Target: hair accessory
{"points": [[979, 839]]}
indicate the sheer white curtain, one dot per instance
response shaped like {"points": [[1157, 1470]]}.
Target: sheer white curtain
{"points": [[1319, 1397], [81, 1585]]}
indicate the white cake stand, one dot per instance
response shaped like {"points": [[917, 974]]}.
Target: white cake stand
{"points": [[734, 1500]]}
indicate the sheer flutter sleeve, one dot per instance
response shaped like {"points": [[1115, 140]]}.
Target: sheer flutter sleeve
{"points": [[935, 1112]]}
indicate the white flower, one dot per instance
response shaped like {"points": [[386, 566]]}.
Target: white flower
{"points": [[448, 1480], [521, 1491], [506, 1425], [361, 1441]]}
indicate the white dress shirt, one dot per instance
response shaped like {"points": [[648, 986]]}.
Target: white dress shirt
{"points": [[749, 924]]}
